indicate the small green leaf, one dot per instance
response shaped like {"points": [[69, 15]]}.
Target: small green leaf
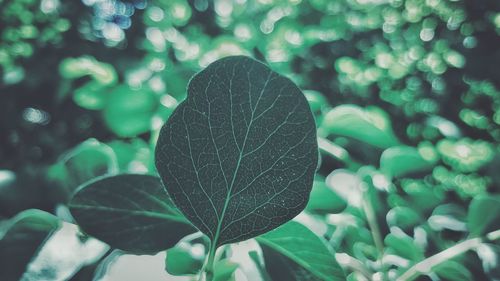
{"points": [[370, 125], [134, 156], [92, 95], [324, 200], [347, 185], [403, 217], [316, 100], [182, 260], [238, 156], [302, 246], [129, 112], [465, 155], [448, 216], [404, 246], [129, 212], [421, 196], [452, 271], [484, 214], [224, 270], [403, 160], [103, 73]]}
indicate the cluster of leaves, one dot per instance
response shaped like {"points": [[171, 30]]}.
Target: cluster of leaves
{"points": [[405, 96]]}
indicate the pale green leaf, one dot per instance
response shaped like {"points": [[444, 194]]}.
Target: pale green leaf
{"points": [[370, 125]]}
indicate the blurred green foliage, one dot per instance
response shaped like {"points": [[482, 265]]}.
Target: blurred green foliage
{"points": [[406, 95]]}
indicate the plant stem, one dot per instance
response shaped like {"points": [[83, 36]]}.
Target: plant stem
{"points": [[208, 268], [456, 250], [375, 230], [372, 223]]}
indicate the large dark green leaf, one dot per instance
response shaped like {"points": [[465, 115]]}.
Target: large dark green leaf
{"points": [[129, 212], [238, 155], [303, 247]]}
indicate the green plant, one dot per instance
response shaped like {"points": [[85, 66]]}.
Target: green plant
{"points": [[237, 159], [405, 95]]}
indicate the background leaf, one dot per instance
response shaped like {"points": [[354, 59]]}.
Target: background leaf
{"points": [[370, 125], [183, 259], [129, 212], [21, 238], [299, 244], [403, 160], [238, 155], [484, 214], [324, 200], [128, 112], [453, 271]]}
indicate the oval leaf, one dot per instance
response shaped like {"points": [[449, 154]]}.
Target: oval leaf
{"points": [[129, 212], [370, 125], [302, 246], [403, 160], [128, 112], [453, 271], [238, 156], [484, 214]]}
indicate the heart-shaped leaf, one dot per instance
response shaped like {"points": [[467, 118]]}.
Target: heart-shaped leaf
{"points": [[238, 156], [302, 246], [129, 212]]}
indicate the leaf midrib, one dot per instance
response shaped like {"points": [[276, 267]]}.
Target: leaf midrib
{"points": [[240, 157]]}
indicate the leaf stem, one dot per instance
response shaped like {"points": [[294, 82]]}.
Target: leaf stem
{"points": [[427, 264], [372, 223], [374, 229], [208, 268]]}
